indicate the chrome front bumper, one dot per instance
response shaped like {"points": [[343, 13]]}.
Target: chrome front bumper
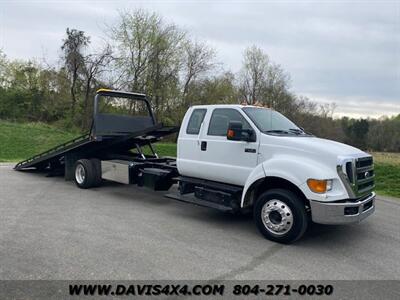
{"points": [[342, 213]]}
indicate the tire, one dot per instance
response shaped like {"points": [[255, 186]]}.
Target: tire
{"points": [[97, 171], [280, 216], [84, 174]]}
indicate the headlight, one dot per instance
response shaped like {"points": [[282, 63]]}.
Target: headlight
{"points": [[319, 186]]}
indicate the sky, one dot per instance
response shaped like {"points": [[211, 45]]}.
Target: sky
{"points": [[346, 52]]}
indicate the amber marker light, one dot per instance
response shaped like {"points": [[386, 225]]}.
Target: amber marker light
{"points": [[317, 186]]}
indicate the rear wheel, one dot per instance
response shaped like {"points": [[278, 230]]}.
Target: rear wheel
{"points": [[280, 216], [84, 173]]}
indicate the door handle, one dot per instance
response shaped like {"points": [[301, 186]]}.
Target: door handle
{"points": [[203, 146], [250, 150]]}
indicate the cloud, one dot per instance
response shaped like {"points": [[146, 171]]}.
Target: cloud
{"points": [[348, 52], [358, 107]]}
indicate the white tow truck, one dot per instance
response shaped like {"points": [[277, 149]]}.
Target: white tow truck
{"points": [[233, 158]]}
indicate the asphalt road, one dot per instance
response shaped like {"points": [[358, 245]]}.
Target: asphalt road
{"points": [[50, 229]]}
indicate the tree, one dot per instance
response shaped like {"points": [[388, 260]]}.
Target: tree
{"points": [[253, 75], [132, 39], [198, 60], [384, 134], [262, 81], [3, 68], [327, 109], [275, 92], [73, 46], [94, 65], [163, 82], [356, 131], [148, 54]]}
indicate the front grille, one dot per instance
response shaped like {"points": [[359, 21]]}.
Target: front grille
{"points": [[364, 162], [360, 173]]}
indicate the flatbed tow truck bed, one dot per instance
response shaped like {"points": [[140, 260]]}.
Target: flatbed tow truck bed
{"points": [[111, 137]]}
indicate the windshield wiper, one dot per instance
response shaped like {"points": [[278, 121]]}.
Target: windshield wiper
{"points": [[296, 131], [277, 131], [299, 131]]}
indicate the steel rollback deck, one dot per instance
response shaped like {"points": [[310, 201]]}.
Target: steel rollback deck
{"points": [[108, 133]]}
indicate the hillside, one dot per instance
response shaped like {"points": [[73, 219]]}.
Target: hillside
{"points": [[19, 141]]}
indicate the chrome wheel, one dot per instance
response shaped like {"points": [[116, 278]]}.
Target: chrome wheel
{"points": [[80, 174], [277, 217]]}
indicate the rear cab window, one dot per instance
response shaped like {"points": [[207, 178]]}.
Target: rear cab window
{"points": [[196, 118]]}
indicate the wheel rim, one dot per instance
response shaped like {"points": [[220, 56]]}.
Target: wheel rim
{"points": [[80, 174], [277, 217]]}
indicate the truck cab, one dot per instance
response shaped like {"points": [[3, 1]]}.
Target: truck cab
{"points": [[285, 176]]}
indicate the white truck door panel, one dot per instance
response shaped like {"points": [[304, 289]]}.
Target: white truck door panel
{"points": [[222, 159], [189, 142]]}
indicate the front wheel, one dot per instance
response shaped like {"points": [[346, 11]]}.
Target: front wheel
{"points": [[280, 216]]}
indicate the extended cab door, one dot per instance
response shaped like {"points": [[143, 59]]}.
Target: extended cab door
{"points": [[221, 159], [188, 157]]}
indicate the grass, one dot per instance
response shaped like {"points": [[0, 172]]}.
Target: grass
{"points": [[163, 149], [387, 172], [20, 141]]}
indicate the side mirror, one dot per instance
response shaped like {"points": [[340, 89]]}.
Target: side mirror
{"points": [[234, 131], [237, 133]]}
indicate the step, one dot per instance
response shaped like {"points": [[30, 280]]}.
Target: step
{"points": [[190, 198], [212, 184]]}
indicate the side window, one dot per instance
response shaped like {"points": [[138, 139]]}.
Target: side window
{"points": [[195, 121], [220, 120]]}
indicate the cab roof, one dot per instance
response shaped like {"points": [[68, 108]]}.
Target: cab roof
{"points": [[226, 106]]}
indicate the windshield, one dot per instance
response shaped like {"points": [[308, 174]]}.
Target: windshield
{"points": [[270, 121]]}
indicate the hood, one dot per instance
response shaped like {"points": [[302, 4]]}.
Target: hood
{"points": [[309, 146], [317, 145]]}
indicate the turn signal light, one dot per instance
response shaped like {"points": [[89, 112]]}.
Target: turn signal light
{"points": [[231, 133], [317, 186]]}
